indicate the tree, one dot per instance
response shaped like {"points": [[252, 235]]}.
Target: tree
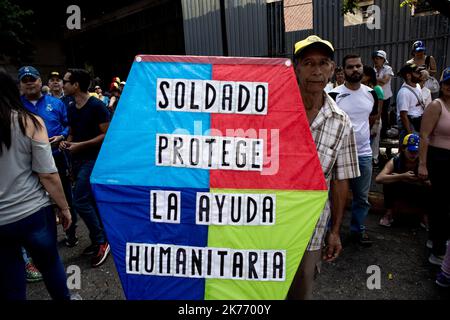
{"points": [[14, 31], [443, 6]]}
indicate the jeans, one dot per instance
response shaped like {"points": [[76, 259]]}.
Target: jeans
{"points": [[37, 234], [360, 189], [62, 163], [84, 202], [439, 173]]}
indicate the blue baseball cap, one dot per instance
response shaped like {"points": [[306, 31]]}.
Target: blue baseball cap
{"points": [[28, 71], [445, 75], [411, 142], [418, 46]]}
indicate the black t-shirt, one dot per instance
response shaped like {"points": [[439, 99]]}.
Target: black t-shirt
{"points": [[84, 124]]}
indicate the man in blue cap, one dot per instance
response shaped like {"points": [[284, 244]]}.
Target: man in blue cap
{"points": [[54, 113]]}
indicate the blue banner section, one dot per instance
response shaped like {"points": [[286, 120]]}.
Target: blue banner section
{"points": [[127, 156], [125, 212]]}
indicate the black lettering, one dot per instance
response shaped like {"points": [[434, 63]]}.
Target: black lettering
{"points": [[164, 252], [179, 104], [204, 209], [196, 154], [265, 264], [260, 108], [155, 206], [267, 209], [225, 142], [181, 261], [133, 258], [196, 262], [278, 265], [251, 203], [222, 255], [233, 210], [220, 205], [242, 154], [210, 142], [209, 91], [227, 97], [242, 106], [209, 263], [177, 145], [255, 154], [163, 143], [193, 105], [252, 259], [172, 206], [238, 264], [149, 259], [166, 100]]}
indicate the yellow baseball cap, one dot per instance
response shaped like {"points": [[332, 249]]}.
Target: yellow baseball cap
{"points": [[313, 40]]}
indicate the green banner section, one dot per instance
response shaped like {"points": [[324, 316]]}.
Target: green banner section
{"points": [[296, 216]]}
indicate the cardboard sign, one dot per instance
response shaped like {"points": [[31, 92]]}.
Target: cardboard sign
{"points": [[208, 181]]}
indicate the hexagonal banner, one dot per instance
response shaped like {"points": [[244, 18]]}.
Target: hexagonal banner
{"points": [[208, 181]]}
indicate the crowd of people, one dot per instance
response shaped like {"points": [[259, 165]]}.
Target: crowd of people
{"points": [[50, 137], [348, 111], [49, 142]]}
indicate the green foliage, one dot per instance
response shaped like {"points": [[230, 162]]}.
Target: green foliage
{"points": [[14, 31], [349, 6], [409, 3]]}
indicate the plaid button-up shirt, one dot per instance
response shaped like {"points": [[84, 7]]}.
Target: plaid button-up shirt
{"points": [[335, 143]]}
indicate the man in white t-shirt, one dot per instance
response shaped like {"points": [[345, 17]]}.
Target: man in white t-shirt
{"points": [[360, 103], [410, 105]]}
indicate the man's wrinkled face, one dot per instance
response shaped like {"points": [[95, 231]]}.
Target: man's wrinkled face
{"points": [[30, 86], [55, 84], [353, 70], [313, 69]]}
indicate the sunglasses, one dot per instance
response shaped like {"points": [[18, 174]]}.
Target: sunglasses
{"points": [[66, 81], [28, 79]]}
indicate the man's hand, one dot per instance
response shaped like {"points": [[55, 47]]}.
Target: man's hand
{"points": [[72, 147], [410, 177], [55, 140], [333, 247], [65, 217]]}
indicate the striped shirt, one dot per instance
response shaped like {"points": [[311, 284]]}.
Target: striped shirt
{"points": [[335, 143]]}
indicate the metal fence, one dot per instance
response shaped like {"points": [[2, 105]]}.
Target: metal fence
{"points": [[245, 23], [397, 33], [256, 28]]}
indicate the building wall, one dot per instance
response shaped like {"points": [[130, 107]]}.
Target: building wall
{"points": [[246, 27]]}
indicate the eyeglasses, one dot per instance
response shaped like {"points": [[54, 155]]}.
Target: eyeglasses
{"points": [[66, 81]]}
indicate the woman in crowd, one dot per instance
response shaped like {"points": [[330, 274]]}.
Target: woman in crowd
{"points": [[28, 175], [434, 163], [401, 185]]}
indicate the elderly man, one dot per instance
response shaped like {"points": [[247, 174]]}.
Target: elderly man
{"points": [[55, 84], [335, 141]]}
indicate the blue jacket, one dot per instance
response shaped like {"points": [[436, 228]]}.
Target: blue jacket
{"points": [[53, 112]]}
